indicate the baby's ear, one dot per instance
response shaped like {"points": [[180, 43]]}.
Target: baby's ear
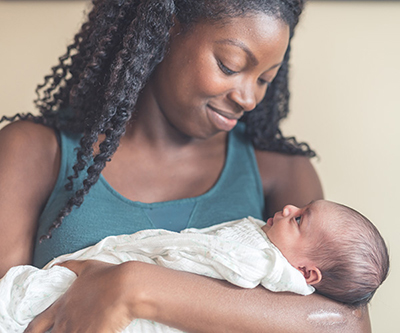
{"points": [[312, 274]]}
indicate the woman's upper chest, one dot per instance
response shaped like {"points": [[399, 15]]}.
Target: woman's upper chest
{"points": [[156, 175]]}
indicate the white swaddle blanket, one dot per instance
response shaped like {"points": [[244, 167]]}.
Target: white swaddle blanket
{"points": [[236, 251]]}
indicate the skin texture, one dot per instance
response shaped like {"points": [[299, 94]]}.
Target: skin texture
{"points": [[182, 152]]}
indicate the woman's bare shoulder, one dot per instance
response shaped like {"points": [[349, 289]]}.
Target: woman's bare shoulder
{"points": [[29, 146], [29, 165], [287, 179], [20, 130], [30, 154]]}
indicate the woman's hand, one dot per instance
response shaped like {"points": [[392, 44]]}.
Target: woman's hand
{"points": [[96, 301]]}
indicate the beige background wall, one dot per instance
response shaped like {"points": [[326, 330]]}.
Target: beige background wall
{"points": [[345, 88]]}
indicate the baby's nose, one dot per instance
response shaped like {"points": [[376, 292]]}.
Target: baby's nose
{"points": [[289, 210]]}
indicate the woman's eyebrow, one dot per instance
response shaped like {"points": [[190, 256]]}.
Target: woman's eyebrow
{"points": [[243, 46]]}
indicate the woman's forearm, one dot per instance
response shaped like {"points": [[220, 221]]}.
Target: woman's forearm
{"points": [[195, 303]]}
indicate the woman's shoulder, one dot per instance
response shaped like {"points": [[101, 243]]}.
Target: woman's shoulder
{"points": [[287, 179], [24, 129], [274, 164], [30, 152], [29, 140]]}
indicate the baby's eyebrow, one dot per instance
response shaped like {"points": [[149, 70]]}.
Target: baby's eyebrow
{"points": [[311, 202], [307, 211]]}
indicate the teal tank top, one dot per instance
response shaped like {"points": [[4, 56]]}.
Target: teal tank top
{"points": [[237, 193]]}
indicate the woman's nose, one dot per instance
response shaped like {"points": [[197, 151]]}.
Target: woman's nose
{"points": [[245, 95]]}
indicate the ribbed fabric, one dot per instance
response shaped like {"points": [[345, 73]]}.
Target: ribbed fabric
{"points": [[104, 212]]}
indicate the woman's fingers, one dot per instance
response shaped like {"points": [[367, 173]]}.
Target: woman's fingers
{"points": [[43, 322], [96, 302], [77, 266]]}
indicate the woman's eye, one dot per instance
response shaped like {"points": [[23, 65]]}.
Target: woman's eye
{"points": [[225, 69], [263, 82], [298, 219]]}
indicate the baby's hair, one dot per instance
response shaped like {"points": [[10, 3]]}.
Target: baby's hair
{"points": [[353, 259]]}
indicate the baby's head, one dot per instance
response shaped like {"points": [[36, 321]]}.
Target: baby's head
{"points": [[338, 250]]}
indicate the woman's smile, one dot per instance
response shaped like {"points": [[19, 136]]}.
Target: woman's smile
{"points": [[222, 120]]}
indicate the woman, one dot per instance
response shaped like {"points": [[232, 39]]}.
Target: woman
{"points": [[165, 82]]}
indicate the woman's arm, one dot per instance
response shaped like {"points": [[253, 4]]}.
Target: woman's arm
{"points": [[105, 298], [194, 303], [29, 163]]}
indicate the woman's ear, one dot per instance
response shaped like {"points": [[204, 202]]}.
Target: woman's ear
{"points": [[176, 28], [312, 274]]}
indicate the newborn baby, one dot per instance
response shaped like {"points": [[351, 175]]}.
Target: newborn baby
{"points": [[323, 245]]}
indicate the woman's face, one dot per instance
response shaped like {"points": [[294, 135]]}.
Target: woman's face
{"points": [[214, 73]]}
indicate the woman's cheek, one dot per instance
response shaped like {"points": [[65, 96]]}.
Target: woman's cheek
{"points": [[213, 84]]}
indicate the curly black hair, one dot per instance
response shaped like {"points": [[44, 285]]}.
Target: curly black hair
{"points": [[94, 88]]}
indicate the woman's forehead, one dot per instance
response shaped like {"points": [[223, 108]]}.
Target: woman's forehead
{"points": [[261, 21], [255, 31]]}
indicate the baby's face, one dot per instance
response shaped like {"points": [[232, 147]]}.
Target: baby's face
{"points": [[294, 230]]}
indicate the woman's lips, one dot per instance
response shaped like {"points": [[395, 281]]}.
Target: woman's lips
{"points": [[221, 121]]}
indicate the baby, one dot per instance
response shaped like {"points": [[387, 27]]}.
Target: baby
{"points": [[338, 250], [323, 245]]}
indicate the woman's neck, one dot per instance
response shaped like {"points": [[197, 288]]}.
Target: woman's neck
{"points": [[150, 128]]}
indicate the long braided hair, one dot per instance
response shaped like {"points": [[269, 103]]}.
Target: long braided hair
{"points": [[94, 88]]}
